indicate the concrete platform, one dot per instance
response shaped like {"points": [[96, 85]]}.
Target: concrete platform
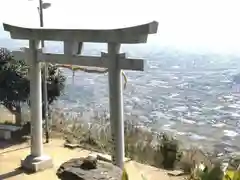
{"points": [[35, 164], [10, 161]]}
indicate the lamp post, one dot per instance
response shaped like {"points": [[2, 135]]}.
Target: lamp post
{"points": [[45, 71]]}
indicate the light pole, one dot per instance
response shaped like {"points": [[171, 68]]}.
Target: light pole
{"points": [[45, 71]]}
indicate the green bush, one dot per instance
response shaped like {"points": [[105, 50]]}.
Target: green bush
{"points": [[169, 149], [215, 173]]}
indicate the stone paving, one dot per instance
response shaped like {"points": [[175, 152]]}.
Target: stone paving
{"points": [[10, 161]]}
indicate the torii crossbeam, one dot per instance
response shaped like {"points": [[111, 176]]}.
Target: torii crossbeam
{"points": [[112, 60]]}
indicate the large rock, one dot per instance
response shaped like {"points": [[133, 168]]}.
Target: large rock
{"points": [[88, 168]]}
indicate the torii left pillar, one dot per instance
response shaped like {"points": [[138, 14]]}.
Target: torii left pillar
{"points": [[36, 161]]}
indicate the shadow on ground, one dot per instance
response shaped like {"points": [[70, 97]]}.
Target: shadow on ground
{"points": [[18, 137], [14, 173]]}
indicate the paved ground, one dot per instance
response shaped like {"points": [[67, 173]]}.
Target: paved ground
{"points": [[10, 160]]}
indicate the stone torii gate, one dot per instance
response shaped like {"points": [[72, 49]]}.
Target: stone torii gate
{"points": [[73, 39]]}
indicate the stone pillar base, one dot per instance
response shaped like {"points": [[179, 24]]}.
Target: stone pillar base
{"points": [[35, 164]]}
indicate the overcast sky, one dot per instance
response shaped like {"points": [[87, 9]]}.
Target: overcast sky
{"points": [[213, 25]]}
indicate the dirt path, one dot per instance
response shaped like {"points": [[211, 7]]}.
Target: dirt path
{"points": [[10, 162]]}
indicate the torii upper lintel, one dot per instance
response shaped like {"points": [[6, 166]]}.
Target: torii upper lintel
{"points": [[126, 35]]}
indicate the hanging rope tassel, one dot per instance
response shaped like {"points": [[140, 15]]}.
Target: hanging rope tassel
{"points": [[88, 70], [125, 80]]}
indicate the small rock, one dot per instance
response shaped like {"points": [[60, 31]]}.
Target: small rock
{"points": [[71, 146], [176, 173], [89, 162]]}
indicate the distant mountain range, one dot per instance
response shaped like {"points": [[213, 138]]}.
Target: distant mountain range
{"points": [[165, 56]]}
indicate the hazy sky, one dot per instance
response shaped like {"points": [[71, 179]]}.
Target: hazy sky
{"points": [[186, 24]]}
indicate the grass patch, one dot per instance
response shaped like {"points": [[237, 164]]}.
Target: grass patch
{"points": [[156, 149]]}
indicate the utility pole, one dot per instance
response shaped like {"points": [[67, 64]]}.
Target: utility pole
{"points": [[45, 73]]}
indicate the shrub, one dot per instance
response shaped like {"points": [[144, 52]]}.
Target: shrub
{"points": [[215, 173], [169, 149]]}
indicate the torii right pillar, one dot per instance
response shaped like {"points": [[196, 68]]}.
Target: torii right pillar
{"points": [[116, 105], [115, 92]]}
